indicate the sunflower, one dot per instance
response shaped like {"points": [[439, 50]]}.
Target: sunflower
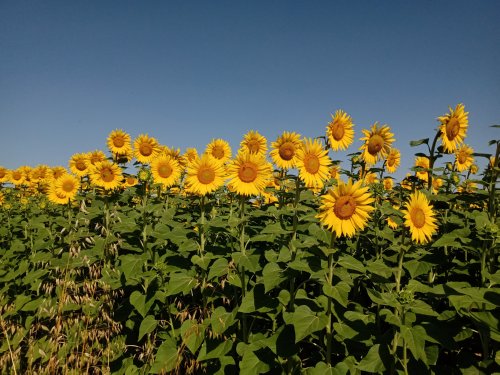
{"points": [[254, 143], [467, 186], [2, 198], [388, 183], [437, 183], [67, 185], [146, 148], [474, 169], [346, 208], [371, 178], [454, 127], [129, 181], [463, 158], [79, 164], [313, 163], [165, 170], [393, 160], [39, 173], [219, 149], [249, 173], [4, 174], [284, 150], [419, 217], [340, 131], [190, 155], [335, 172], [205, 174], [119, 142], [423, 162], [391, 223], [96, 156], [17, 177], [106, 174], [377, 143], [56, 172]]}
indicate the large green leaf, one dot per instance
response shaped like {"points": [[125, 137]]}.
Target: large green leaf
{"points": [[166, 357], [305, 321], [148, 325], [192, 334]]}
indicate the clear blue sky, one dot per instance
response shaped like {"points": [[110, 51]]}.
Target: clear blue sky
{"points": [[189, 71]]}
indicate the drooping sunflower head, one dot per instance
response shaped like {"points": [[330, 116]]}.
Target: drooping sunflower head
{"points": [[437, 183], [119, 142], [340, 131], [345, 208], [106, 174], [422, 162], [39, 173], [371, 178], [313, 163], [205, 174], [79, 164], [96, 156], [463, 158], [249, 173], [419, 217], [254, 143], [56, 172], [146, 148], [377, 144], [129, 181], [335, 172], [391, 223], [165, 170], [219, 149], [284, 150], [454, 127], [393, 160]]}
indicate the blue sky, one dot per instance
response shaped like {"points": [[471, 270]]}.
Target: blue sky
{"points": [[186, 72]]}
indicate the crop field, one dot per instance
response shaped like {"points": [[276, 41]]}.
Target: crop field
{"points": [[271, 258]]}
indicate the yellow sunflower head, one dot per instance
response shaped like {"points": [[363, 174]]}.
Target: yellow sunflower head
{"points": [[249, 173], [17, 177], [335, 172], [463, 158], [165, 170], [422, 162], [371, 178], [56, 172], [219, 149], [388, 183], [254, 143], [340, 131], [130, 181], [146, 148], [96, 156], [313, 163], [393, 160], [437, 183], [419, 217], [119, 142], [4, 174], [474, 169], [106, 174], [79, 164], [204, 175], [377, 144], [190, 155], [467, 186], [284, 150], [345, 208], [454, 127], [39, 173]]}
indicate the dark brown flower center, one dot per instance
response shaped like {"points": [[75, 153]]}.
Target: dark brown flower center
{"points": [[311, 163], [146, 149], [344, 207], [68, 186], [338, 131], [452, 128], [107, 174], [164, 170], [206, 175], [418, 217], [247, 172], [118, 141], [287, 151], [218, 152], [253, 146], [375, 144]]}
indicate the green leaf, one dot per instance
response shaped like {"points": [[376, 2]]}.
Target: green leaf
{"points": [[272, 275], [372, 362], [138, 300], [339, 292], [148, 325], [305, 321], [166, 357], [221, 320], [415, 340], [180, 282], [214, 349], [218, 268], [378, 267], [419, 142], [250, 364], [192, 334], [258, 300], [351, 263], [417, 267]]}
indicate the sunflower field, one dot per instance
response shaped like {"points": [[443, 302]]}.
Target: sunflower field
{"points": [[274, 258]]}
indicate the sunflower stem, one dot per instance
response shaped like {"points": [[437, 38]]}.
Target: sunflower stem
{"points": [[329, 331], [432, 159], [242, 268], [293, 250]]}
